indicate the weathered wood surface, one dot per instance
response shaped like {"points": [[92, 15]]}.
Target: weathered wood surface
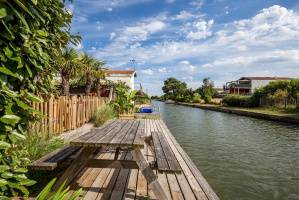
{"points": [[54, 159], [118, 134], [107, 183]]}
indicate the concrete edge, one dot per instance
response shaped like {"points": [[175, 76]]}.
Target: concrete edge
{"points": [[285, 119]]}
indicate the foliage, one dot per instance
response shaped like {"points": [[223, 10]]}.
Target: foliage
{"points": [[32, 36], [69, 64], [92, 71], [207, 90], [35, 146], [176, 90], [102, 115], [61, 194], [124, 99], [277, 90], [237, 100], [196, 98]]}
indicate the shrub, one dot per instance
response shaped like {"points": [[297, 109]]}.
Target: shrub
{"points": [[237, 100], [102, 115], [35, 146], [196, 98], [207, 98]]}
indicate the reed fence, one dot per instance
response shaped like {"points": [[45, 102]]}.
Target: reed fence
{"points": [[65, 113]]}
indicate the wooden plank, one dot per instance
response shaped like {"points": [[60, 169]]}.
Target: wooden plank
{"points": [[186, 190], [196, 187], [175, 189], [105, 140], [169, 155], [159, 153], [117, 139], [51, 160], [140, 134], [93, 134], [129, 138], [148, 174], [132, 185], [77, 165]]}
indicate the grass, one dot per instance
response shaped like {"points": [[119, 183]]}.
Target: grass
{"points": [[34, 147], [102, 115]]}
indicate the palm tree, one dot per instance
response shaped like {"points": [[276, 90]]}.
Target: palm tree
{"points": [[93, 71], [99, 75], [88, 63], [68, 65]]}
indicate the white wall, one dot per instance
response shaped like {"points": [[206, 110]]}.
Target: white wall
{"points": [[127, 79], [256, 84]]}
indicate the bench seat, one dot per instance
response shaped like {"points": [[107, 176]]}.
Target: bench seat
{"points": [[57, 158], [164, 156]]}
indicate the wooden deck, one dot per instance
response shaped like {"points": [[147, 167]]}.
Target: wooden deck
{"points": [[114, 184]]}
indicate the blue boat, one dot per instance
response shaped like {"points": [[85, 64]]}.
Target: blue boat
{"points": [[146, 110]]}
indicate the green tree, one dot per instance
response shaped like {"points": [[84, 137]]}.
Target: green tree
{"points": [[69, 64], [174, 89], [207, 90], [99, 75], [32, 36]]}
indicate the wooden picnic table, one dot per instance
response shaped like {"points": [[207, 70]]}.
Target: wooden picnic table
{"points": [[119, 135]]}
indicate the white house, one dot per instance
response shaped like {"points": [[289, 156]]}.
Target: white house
{"points": [[247, 85], [126, 76]]}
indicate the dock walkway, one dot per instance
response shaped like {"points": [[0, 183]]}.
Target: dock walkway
{"points": [[114, 184]]}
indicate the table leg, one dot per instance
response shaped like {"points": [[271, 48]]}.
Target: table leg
{"points": [[77, 165], [149, 175]]}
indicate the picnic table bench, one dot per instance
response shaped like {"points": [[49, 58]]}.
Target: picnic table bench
{"points": [[123, 137]]}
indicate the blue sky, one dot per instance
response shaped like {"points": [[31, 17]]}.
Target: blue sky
{"points": [[190, 40]]}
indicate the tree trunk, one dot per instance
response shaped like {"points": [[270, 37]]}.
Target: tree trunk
{"points": [[65, 84], [98, 86], [88, 84]]}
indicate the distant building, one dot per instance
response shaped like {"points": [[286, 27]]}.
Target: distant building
{"points": [[247, 85], [126, 76]]}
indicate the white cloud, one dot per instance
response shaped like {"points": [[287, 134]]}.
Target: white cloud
{"points": [[266, 44], [147, 71], [183, 15], [112, 35], [202, 30], [197, 3], [162, 70]]}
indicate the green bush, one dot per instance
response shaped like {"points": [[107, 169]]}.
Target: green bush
{"points": [[102, 115], [196, 98], [35, 146], [237, 100]]}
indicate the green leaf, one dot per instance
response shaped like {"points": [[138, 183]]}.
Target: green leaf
{"points": [[10, 119], [33, 98], [23, 7], [28, 70], [18, 135], [3, 182], [6, 71], [4, 168], [34, 2], [7, 175], [21, 170], [8, 52], [4, 145], [27, 182], [3, 13], [45, 192], [42, 33]]}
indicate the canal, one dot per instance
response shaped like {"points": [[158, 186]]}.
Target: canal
{"points": [[242, 158]]}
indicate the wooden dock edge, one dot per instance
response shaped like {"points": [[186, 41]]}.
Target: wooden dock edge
{"points": [[209, 192]]}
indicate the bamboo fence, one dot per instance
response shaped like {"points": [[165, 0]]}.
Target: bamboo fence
{"points": [[65, 113]]}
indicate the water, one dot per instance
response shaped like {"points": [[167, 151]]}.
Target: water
{"points": [[242, 158]]}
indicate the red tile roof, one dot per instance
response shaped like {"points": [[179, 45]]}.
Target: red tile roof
{"points": [[110, 71]]}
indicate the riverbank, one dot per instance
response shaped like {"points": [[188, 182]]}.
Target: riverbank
{"points": [[250, 112]]}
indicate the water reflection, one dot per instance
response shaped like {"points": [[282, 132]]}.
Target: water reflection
{"points": [[242, 158]]}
